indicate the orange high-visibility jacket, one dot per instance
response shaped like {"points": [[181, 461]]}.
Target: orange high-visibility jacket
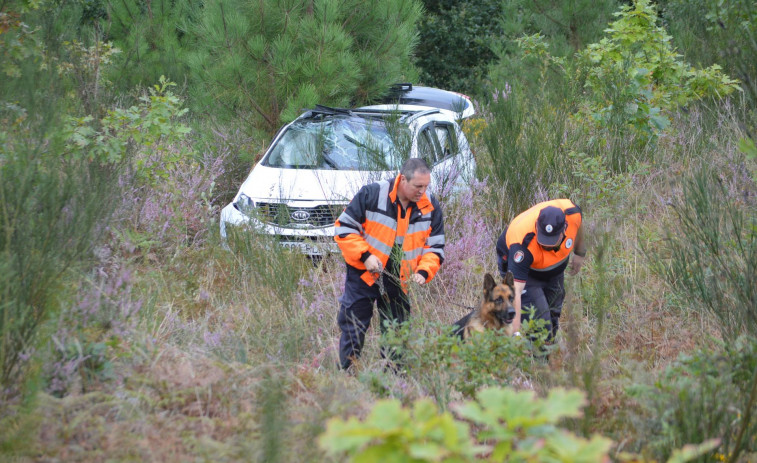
{"points": [[372, 223], [526, 257]]}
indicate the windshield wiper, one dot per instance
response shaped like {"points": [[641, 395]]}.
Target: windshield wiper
{"points": [[331, 163], [356, 142]]}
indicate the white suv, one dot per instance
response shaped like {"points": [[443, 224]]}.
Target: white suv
{"points": [[317, 163]]}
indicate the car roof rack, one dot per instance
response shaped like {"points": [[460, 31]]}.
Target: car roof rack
{"points": [[321, 109], [401, 87]]}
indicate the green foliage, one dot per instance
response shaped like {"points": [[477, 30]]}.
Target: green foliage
{"points": [[52, 216], [510, 426], [152, 127], [86, 67], [705, 395], [394, 433], [592, 184], [635, 76], [85, 359], [565, 27], [18, 44], [454, 49], [152, 36], [716, 273], [717, 32], [266, 61], [441, 362], [524, 145]]}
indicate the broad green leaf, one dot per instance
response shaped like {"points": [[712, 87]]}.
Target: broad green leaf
{"points": [[427, 451], [567, 447], [388, 414], [690, 452], [563, 403]]}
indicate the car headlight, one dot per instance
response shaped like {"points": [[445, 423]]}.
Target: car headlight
{"points": [[245, 204]]}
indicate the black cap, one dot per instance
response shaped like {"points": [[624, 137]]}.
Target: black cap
{"points": [[550, 225]]}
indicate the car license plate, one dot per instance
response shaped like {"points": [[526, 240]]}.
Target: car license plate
{"points": [[306, 248]]}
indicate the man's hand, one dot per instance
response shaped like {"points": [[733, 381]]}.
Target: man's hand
{"points": [[373, 264], [418, 278], [576, 262]]}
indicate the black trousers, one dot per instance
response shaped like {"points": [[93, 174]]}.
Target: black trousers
{"points": [[356, 311], [546, 297]]}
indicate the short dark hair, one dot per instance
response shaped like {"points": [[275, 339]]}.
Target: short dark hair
{"points": [[413, 165]]}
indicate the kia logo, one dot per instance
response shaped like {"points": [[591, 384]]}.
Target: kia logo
{"points": [[300, 215]]}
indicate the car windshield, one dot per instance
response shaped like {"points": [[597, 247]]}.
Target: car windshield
{"points": [[342, 142]]}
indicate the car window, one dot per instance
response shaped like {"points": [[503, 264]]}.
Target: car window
{"points": [[426, 146], [339, 142], [447, 140]]}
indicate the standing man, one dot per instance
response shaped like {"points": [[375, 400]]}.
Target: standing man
{"points": [[391, 233], [536, 247]]}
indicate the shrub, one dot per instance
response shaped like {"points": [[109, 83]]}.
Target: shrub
{"points": [[437, 358], [53, 216], [635, 76], [710, 393], [712, 257], [265, 61], [507, 426], [524, 141]]}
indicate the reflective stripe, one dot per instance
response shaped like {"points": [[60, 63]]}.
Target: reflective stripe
{"points": [[383, 194], [379, 245], [418, 227], [347, 220], [437, 240], [400, 239], [412, 255], [546, 269], [383, 219], [345, 231], [435, 251]]}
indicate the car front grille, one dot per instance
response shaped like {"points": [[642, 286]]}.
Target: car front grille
{"points": [[280, 214]]}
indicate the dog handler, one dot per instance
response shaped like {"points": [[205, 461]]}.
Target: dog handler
{"points": [[391, 233], [536, 247]]}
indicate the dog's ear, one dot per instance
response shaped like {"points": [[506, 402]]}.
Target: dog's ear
{"points": [[508, 279], [489, 284]]}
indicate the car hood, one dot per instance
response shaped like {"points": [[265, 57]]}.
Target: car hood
{"points": [[269, 184]]}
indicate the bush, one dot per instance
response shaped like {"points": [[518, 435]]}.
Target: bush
{"points": [[445, 365], [636, 70], [524, 141], [53, 216], [507, 426], [704, 395], [712, 257]]}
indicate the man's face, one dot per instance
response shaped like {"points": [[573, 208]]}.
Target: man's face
{"points": [[555, 247], [413, 189]]}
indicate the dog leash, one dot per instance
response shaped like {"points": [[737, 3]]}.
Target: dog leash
{"points": [[463, 306]]}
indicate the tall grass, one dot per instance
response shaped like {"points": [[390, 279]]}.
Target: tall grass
{"points": [[713, 252], [524, 144], [710, 260], [53, 216]]}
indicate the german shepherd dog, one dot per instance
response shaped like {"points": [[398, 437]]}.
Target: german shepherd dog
{"points": [[495, 310]]}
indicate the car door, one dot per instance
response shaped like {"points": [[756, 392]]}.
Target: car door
{"points": [[439, 145]]}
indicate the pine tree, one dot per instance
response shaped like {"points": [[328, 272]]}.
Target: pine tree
{"points": [[265, 61]]}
